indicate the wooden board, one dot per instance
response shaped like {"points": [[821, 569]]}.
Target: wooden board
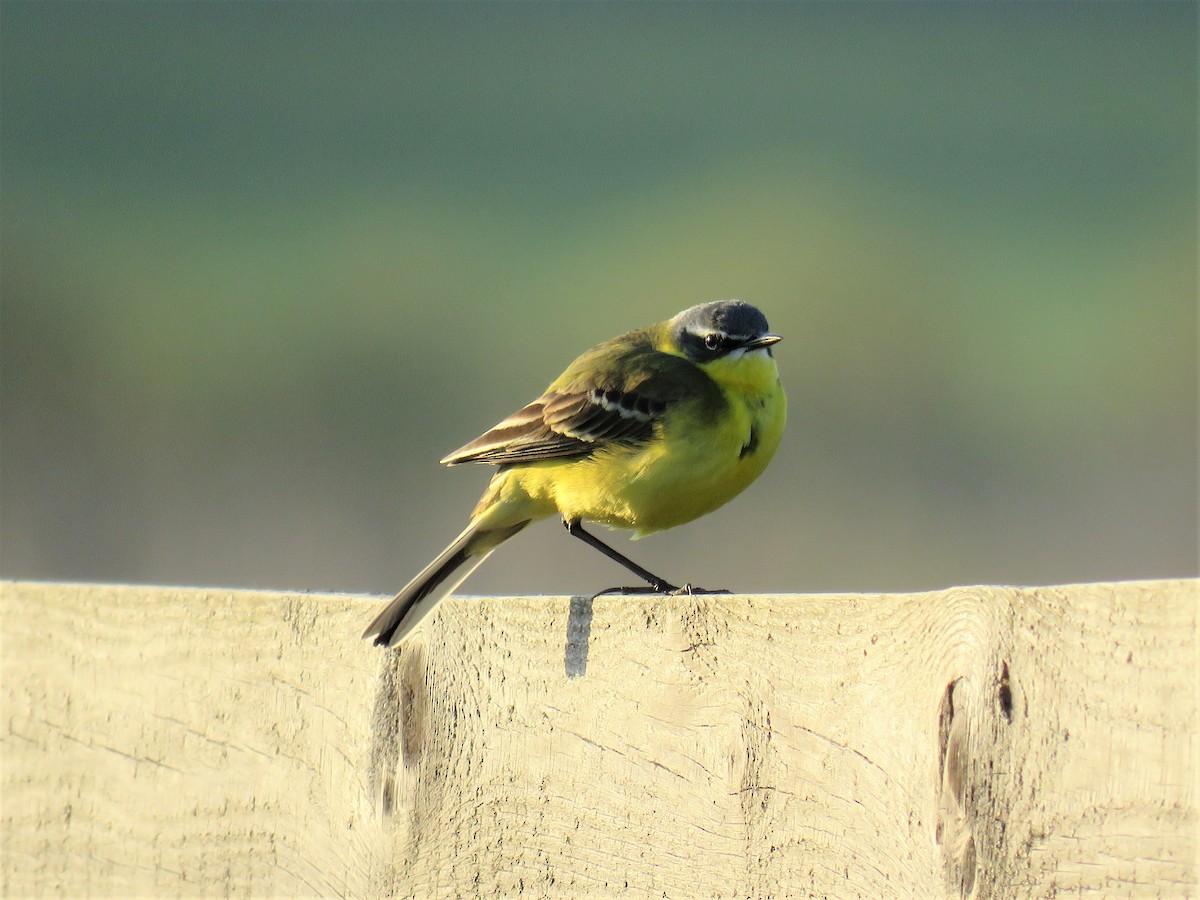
{"points": [[978, 741]]}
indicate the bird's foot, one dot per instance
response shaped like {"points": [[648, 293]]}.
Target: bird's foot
{"points": [[660, 587]]}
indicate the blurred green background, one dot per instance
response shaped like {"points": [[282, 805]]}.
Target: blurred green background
{"points": [[263, 264]]}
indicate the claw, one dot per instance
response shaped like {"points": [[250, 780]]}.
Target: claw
{"points": [[661, 587]]}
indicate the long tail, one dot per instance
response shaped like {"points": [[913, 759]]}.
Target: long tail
{"points": [[437, 580]]}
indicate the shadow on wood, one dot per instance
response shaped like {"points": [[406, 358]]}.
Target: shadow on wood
{"points": [[971, 742]]}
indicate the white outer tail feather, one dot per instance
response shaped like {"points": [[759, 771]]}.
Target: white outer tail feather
{"points": [[404, 613]]}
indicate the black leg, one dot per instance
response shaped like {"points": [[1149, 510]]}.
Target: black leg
{"points": [[657, 585]]}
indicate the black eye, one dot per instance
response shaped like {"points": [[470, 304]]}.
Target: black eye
{"points": [[712, 341]]}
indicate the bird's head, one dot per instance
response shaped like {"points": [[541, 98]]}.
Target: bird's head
{"points": [[724, 329]]}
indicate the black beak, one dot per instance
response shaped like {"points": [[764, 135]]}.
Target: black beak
{"points": [[763, 340]]}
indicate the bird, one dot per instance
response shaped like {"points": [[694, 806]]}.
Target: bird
{"points": [[645, 431]]}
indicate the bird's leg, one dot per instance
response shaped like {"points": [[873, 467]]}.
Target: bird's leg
{"points": [[655, 584]]}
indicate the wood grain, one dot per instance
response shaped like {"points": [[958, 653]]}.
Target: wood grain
{"points": [[990, 742]]}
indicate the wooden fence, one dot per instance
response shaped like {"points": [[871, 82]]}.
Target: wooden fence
{"points": [[987, 741]]}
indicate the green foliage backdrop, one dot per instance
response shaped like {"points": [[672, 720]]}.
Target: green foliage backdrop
{"points": [[262, 264]]}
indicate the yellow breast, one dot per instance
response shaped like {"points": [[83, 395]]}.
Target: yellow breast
{"points": [[700, 459]]}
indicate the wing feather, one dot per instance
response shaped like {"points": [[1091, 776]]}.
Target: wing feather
{"points": [[615, 394]]}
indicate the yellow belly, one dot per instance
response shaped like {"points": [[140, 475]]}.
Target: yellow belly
{"points": [[698, 463]]}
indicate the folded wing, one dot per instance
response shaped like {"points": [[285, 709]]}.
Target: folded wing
{"points": [[569, 423]]}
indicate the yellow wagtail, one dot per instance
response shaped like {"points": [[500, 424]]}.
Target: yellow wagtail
{"points": [[646, 431]]}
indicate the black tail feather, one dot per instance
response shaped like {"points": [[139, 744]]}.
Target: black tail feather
{"points": [[396, 615]]}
